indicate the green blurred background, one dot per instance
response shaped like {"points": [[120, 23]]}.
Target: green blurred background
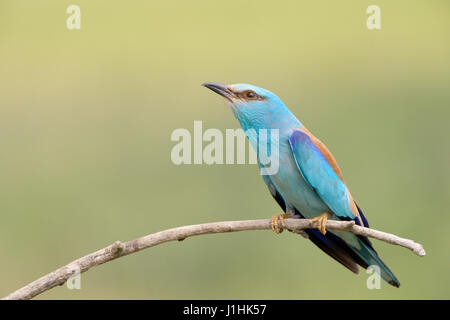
{"points": [[86, 118]]}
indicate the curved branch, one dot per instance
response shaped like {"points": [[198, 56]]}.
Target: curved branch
{"points": [[119, 249]]}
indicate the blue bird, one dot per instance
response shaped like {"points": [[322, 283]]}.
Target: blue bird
{"points": [[308, 183]]}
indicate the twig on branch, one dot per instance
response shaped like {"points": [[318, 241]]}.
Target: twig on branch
{"points": [[119, 249]]}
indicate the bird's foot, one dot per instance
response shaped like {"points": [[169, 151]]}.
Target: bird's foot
{"points": [[274, 222], [321, 222]]}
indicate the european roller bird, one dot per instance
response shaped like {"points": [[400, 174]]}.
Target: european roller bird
{"points": [[308, 183]]}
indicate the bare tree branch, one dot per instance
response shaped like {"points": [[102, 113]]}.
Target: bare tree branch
{"points": [[119, 249]]}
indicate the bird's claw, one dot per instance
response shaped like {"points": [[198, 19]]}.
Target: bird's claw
{"points": [[321, 222], [278, 218]]}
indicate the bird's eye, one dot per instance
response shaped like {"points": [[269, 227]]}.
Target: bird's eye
{"points": [[250, 95]]}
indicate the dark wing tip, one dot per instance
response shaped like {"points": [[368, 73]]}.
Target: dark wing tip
{"points": [[394, 283]]}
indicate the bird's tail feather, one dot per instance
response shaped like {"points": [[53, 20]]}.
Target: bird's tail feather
{"points": [[372, 259], [348, 255]]}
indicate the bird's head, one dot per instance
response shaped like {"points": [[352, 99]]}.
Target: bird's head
{"points": [[254, 107]]}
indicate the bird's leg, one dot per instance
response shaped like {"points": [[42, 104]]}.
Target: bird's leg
{"points": [[321, 222], [274, 222]]}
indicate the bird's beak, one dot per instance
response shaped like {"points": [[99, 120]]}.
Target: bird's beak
{"points": [[221, 89]]}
